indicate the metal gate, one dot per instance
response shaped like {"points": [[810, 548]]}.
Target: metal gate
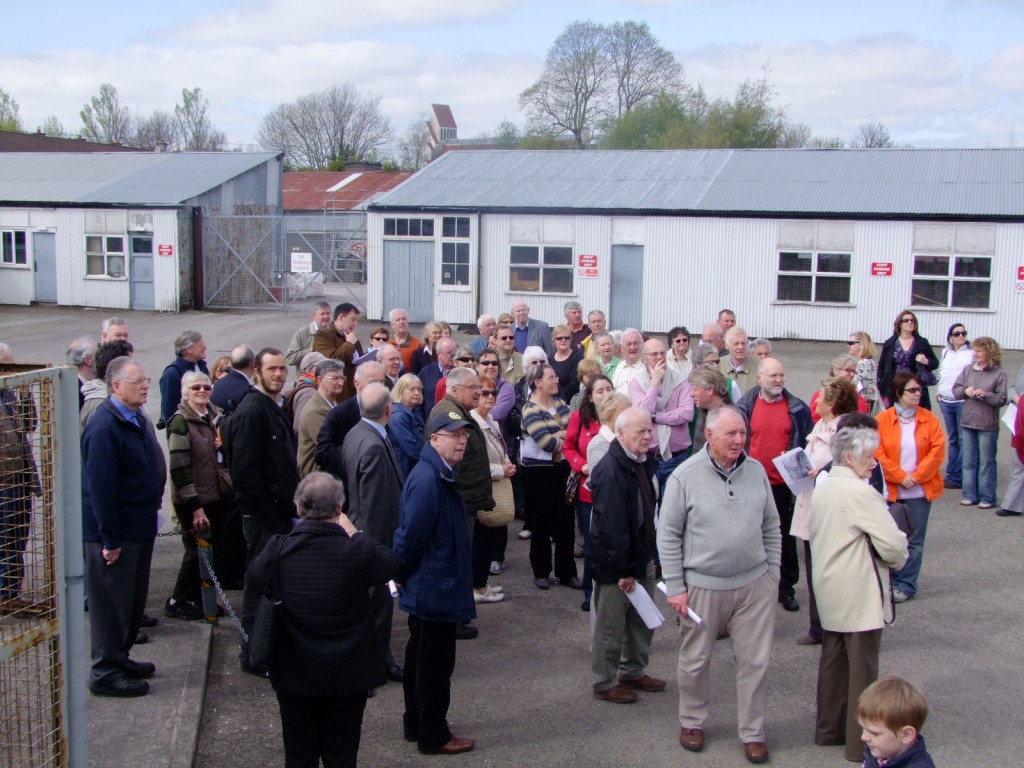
{"points": [[254, 259], [42, 629]]}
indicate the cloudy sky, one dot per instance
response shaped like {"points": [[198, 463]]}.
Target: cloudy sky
{"points": [[936, 72]]}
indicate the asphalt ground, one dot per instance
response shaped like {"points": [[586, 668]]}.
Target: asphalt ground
{"points": [[522, 689]]}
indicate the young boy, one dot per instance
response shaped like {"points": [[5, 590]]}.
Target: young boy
{"points": [[891, 711]]}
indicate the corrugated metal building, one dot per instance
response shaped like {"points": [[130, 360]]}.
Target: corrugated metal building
{"points": [[116, 230], [807, 244]]}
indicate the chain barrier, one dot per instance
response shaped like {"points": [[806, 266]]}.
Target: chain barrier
{"points": [[205, 558]]}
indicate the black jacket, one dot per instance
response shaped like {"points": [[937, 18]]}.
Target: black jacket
{"points": [[261, 456], [618, 536], [326, 644], [474, 471], [887, 367], [229, 391], [339, 422]]}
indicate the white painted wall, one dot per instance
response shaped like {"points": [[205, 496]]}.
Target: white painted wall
{"points": [[17, 284]]}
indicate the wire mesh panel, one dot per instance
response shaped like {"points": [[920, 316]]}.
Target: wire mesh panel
{"points": [[34, 645]]}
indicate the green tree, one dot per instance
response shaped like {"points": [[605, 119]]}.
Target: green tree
{"points": [[53, 127], [9, 119], [105, 120], [507, 135], [194, 124]]}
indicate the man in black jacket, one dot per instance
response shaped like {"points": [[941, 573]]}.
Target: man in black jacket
{"points": [[621, 558], [261, 456]]}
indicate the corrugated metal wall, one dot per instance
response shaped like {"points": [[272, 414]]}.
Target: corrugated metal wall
{"points": [[166, 269], [17, 284]]}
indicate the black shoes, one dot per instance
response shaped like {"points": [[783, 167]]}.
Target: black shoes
{"points": [[395, 673], [789, 603], [139, 670], [182, 609], [148, 622], [121, 687], [466, 632], [1007, 513]]}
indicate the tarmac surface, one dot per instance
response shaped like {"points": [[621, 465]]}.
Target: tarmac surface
{"points": [[522, 689]]}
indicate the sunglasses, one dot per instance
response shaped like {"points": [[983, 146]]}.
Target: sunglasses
{"points": [[204, 387], [958, 334], [466, 359], [505, 338], [380, 338], [911, 390], [563, 338], [909, 320], [489, 362], [489, 392], [681, 340], [851, 343]]}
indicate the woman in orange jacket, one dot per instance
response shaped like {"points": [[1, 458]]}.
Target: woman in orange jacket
{"points": [[911, 451]]}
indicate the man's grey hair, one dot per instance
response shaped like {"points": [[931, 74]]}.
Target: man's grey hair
{"points": [[597, 312], [713, 416], [702, 352], [448, 343], [321, 305], [328, 366], [733, 332], [374, 400], [534, 353], [116, 370], [713, 328], [460, 377], [623, 419], [319, 496], [709, 378], [631, 332], [79, 350], [853, 440], [483, 320], [242, 357], [367, 371], [762, 342], [112, 321], [394, 313], [190, 378], [185, 340], [571, 305]]}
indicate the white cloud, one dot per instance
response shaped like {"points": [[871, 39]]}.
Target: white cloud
{"points": [[1003, 71]]}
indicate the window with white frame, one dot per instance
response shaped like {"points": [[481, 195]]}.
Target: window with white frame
{"points": [[455, 250], [815, 261], [541, 254], [408, 227], [952, 265], [13, 246], [104, 256]]}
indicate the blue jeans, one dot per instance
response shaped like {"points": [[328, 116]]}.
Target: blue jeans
{"points": [[583, 510], [905, 579], [951, 411], [979, 465]]}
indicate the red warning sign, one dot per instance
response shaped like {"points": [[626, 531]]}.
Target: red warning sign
{"points": [[165, 249], [881, 269]]}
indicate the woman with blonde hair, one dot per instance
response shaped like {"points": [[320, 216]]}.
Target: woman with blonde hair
{"points": [[425, 355], [406, 423], [862, 348]]}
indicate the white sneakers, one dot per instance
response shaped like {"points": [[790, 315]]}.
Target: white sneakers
{"points": [[488, 596]]}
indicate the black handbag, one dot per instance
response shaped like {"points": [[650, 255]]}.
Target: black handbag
{"points": [[928, 378], [572, 488], [263, 635]]}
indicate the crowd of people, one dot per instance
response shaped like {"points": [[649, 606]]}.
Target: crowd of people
{"points": [[384, 467]]}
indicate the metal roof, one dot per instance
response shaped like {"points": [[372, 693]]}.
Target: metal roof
{"points": [[118, 178], [879, 182], [335, 190]]}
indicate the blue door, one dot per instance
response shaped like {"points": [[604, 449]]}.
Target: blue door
{"points": [[143, 296], [44, 262], [627, 287], [409, 278]]}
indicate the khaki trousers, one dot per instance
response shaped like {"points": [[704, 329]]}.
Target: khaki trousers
{"points": [[621, 646]]}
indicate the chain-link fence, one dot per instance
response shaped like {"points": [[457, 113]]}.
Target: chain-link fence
{"points": [[253, 259], [42, 630]]}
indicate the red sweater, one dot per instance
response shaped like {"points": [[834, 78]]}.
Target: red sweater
{"points": [[577, 438], [770, 430]]}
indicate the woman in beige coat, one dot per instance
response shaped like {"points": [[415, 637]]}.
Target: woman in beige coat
{"points": [[854, 542]]}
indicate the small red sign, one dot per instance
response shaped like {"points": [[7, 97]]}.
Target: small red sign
{"points": [[881, 269], [588, 260], [1020, 273], [165, 249]]}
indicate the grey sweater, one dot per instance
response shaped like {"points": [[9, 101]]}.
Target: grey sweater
{"points": [[718, 532]]}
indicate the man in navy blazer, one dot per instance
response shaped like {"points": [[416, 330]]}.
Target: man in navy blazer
{"points": [[374, 482], [531, 333], [435, 371], [229, 390]]}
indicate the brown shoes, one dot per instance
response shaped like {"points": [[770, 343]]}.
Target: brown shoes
{"points": [[808, 639], [646, 683], [454, 747], [691, 739], [618, 694], [756, 752]]}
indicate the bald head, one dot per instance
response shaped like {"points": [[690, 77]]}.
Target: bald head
{"points": [[633, 429], [391, 359], [368, 373], [375, 402]]}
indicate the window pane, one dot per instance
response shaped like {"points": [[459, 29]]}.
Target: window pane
{"points": [[389, 226], [832, 289], [525, 254], [447, 274], [557, 280], [931, 265], [461, 253], [790, 261], [402, 227], [448, 226], [447, 253], [557, 255], [524, 279], [462, 275], [94, 244], [8, 247], [414, 227], [971, 293], [94, 264], [794, 288], [929, 293], [462, 226], [427, 227], [834, 262], [142, 245], [970, 266], [115, 266], [115, 245]]}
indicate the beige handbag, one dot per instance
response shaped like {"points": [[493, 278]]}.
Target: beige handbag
{"points": [[504, 511]]}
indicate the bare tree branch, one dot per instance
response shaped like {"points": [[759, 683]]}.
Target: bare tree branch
{"points": [[642, 67]]}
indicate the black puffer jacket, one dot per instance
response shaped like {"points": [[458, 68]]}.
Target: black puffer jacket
{"points": [[474, 471]]}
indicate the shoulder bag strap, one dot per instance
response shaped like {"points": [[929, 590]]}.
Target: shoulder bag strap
{"points": [[881, 589], [272, 575]]}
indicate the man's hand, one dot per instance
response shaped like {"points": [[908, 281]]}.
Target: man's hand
{"points": [[200, 521], [111, 555], [510, 469], [680, 602], [351, 338], [627, 585], [658, 372]]}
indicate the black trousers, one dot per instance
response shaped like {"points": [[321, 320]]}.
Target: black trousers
{"points": [[549, 517], [186, 585], [429, 663], [117, 598], [257, 534], [790, 574], [319, 728], [486, 541], [815, 629], [382, 613]]}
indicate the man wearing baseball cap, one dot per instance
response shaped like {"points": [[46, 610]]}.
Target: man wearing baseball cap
{"points": [[433, 548]]}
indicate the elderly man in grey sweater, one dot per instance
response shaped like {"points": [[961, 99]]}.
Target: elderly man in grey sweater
{"points": [[721, 550]]}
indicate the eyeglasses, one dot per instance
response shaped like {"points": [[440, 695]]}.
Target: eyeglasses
{"points": [[489, 392], [909, 320], [466, 359], [203, 387], [851, 343], [489, 362], [505, 338], [958, 334], [380, 338], [563, 338], [849, 370], [911, 390], [681, 340], [339, 377], [147, 380]]}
